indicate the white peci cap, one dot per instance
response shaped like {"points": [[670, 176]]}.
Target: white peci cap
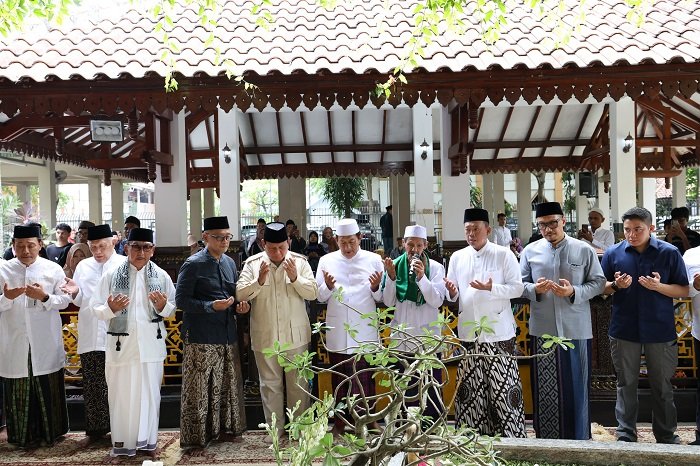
{"points": [[347, 227], [415, 231]]}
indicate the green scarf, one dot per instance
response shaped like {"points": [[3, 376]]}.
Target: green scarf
{"points": [[406, 286]]}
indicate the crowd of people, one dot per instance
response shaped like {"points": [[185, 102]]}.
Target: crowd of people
{"points": [[123, 297]]}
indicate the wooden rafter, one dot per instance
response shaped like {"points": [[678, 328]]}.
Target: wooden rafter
{"points": [[503, 132], [279, 137], [303, 134], [255, 138], [551, 129], [330, 136], [579, 130], [354, 139], [384, 122], [533, 122]]}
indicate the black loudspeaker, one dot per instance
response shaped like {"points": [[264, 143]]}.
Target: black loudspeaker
{"points": [[588, 184]]}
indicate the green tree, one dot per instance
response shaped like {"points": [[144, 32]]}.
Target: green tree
{"points": [[476, 198], [343, 194]]}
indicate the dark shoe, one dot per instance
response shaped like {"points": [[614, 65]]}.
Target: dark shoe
{"points": [[697, 439], [675, 440], [623, 438]]}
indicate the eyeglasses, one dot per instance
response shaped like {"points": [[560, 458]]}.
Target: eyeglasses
{"points": [[141, 247], [222, 237], [551, 224]]}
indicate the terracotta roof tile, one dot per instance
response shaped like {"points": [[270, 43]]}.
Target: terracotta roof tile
{"points": [[358, 35]]}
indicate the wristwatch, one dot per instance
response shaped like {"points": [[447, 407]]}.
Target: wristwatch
{"points": [[45, 299], [614, 286]]}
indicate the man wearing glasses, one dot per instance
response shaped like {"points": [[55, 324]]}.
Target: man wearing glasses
{"points": [[212, 384], [134, 298], [561, 274]]}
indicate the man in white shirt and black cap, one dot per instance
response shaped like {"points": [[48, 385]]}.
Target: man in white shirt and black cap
{"points": [[134, 298], [485, 277], [414, 284], [277, 282], [31, 343], [359, 273], [92, 332]]}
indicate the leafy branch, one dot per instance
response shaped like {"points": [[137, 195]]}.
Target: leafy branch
{"points": [[407, 431]]}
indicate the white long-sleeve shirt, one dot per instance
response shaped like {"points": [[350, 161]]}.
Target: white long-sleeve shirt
{"points": [[691, 257], [602, 239], [141, 345], [414, 317], [499, 264], [353, 276], [92, 332], [28, 323], [501, 235]]}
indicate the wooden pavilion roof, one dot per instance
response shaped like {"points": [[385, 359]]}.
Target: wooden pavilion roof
{"points": [[530, 106]]}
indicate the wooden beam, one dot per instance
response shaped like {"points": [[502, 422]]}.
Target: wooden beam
{"points": [[503, 131], [551, 129], [279, 135], [303, 133], [384, 118], [654, 142], [330, 136], [533, 122], [658, 173]]}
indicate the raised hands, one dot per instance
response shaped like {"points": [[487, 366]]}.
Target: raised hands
{"points": [[159, 299], [70, 287], [563, 288], [329, 279], [117, 303], [264, 270], [651, 282], [290, 267], [374, 280], [390, 268], [13, 293], [223, 304], [35, 291], [451, 287], [484, 286], [622, 280]]}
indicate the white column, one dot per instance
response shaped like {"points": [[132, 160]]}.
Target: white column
{"points": [[400, 202], [196, 212], [292, 201], [171, 198], [117, 195], [581, 204], [47, 194], [209, 202], [95, 199], [678, 190], [498, 197], [455, 189], [423, 169], [524, 186], [623, 170], [647, 196], [230, 173], [487, 193], [603, 200]]}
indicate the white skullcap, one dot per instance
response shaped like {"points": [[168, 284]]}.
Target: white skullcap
{"points": [[415, 231], [347, 227], [598, 211]]}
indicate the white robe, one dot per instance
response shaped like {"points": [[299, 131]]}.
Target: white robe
{"points": [[92, 332], [417, 318], [499, 264], [27, 322], [353, 276], [134, 374]]}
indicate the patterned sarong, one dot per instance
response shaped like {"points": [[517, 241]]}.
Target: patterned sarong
{"points": [[95, 393], [560, 386], [212, 394], [35, 408], [490, 395]]}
